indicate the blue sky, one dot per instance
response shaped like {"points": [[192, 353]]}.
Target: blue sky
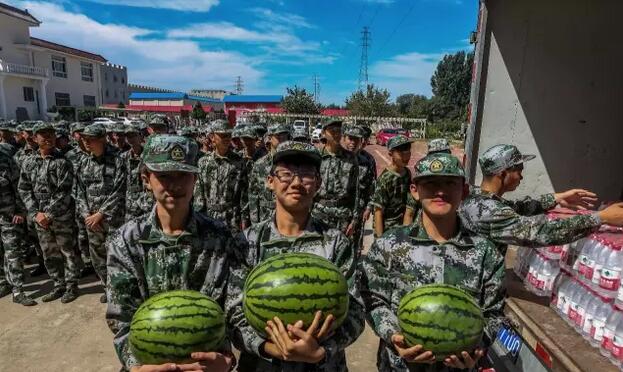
{"points": [[272, 44]]}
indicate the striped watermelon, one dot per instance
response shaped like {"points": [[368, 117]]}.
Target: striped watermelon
{"points": [[169, 326], [293, 286], [442, 318]]}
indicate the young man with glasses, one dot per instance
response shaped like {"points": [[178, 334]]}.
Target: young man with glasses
{"points": [[295, 179], [392, 187], [524, 222]]}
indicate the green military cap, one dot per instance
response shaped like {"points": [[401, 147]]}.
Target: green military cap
{"points": [[439, 164], [260, 130], [438, 145], [77, 127], [26, 126], [277, 129], [331, 122], [296, 150], [4, 125], [62, 132], [220, 126], [248, 131], [354, 131], [501, 157], [300, 133], [398, 141], [118, 128], [131, 129], [235, 133], [158, 121], [94, 130], [41, 126], [170, 153]]}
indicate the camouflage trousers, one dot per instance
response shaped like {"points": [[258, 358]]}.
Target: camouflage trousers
{"points": [[97, 249], [58, 245], [32, 241], [82, 239], [11, 255]]}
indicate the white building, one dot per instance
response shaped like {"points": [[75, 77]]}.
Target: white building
{"points": [[36, 74]]}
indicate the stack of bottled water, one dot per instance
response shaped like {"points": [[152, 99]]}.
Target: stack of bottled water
{"points": [[584, 281]]}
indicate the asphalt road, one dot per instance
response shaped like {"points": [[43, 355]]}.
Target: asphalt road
{"points": [[74, 337]]}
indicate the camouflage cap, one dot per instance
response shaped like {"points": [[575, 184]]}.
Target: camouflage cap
{"points": [[248, 131], [297, 150], [439, 164], [277, 129], [398, 141], [438, 145], [331, 122], [501, 157], [354, 131], [170, 153], [118, 128], [41, 126], [27, 125], [5, 125], [77, 127], [235, 133], [260, 130], [367, 131], [94, 130], [158, 121], [301, 133], [188, 131], [62, 132], [220, 126], [131, 129]]}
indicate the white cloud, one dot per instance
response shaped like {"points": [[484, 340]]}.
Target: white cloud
{"points": [[170, 63], [406, 73], [183, 5], [224, 31], [280, 19]]}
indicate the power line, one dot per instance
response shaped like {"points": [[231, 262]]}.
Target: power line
{"points": [[239, 85], [404, 17], [363, 65]]}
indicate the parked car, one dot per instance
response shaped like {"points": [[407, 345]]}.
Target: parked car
{"points": [[317, 133], [300, 125], [384, 135], [107, 122]]}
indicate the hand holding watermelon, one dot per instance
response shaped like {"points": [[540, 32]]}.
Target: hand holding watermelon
{"points": [[413, 354], [213, 362], [298, 345], [468, 361]]}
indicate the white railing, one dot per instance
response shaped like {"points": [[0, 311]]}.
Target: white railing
{"points": [[15, 68]]}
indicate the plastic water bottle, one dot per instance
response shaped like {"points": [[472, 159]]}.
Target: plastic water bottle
{"points": [[525, 266], [546, 275], [520, 260], [583, 258], [582, 306], [558, 290], [533, 268], [617, 345], [611, 324], [601, 254], [593, 251], [600, 316], [610, 279], [575, 295]]}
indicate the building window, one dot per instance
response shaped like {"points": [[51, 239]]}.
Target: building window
{"points": [[89, 101], [107, 93], [87, 71], [106, 76], [29, 94], [59, 67], [114, 78], [122, 81], [62, 99]]}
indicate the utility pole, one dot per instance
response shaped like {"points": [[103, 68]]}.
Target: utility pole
{"points": [[239, 85], [363, 65], [316, 88]]}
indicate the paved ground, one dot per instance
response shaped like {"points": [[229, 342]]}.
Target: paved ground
{"points": [[55, 337]]}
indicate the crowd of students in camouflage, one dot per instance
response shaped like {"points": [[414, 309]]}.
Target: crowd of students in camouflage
{"points": [[101, 202]]}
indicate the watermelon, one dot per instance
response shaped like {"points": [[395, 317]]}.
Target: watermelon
{"points": [[442, 318], [293, 286], [169, 326]]}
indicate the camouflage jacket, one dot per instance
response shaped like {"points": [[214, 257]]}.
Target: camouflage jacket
{"points": [[221, 188], [10, 202], [406, 257], [143, 261], [101, 185], [522, 222], [264, 241], [261, 198], [45, 186], [413, 204], [138, 200], [367, 177], [391, 195], [74, 155], [24, 153], [337, 200]]}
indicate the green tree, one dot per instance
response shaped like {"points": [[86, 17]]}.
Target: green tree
{"points": [[451, 83], [372, 102], [197, 113], [299, 101], [332, 106], [412, 105]]}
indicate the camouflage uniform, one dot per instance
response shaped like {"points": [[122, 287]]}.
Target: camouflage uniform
{"points": [[101, 186], [438, 145], [45, 187], [337, 201], [406, 257], [264, 241], [520, 222], [138, 200], [11, 235], [391, 195], [221, 188], [261, 198], [143, 261]]}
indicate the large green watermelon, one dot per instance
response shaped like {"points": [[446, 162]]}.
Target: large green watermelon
{"points": [[293, 286], [442, 318], [169, 326]]}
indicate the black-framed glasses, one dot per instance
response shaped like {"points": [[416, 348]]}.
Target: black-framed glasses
{"points": [[287, 176]]}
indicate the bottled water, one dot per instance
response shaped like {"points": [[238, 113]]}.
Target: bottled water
{"points": [[574, 298], [600, 316], [610, 278], [546, 274], [601, 253], [582, 304], [558, 291], [608, 337]]}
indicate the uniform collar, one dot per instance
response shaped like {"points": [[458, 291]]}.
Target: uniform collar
{"points": [[461, 240], [325, 153], [153, 233], [476, 190], [311, 231]]}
